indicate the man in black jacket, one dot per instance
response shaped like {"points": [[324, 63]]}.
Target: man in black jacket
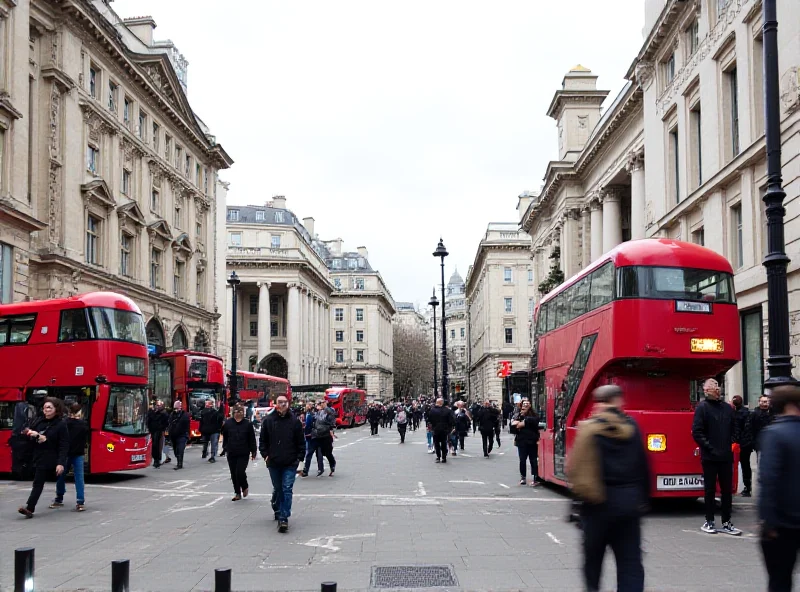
{"points": [[373, 417], [209, 429], [488, 421], [239, 439], [714, 429], [442, 421], [157, 424], [744, 428], [283, 446], [178, 430], [759, 419], [779, 488]]}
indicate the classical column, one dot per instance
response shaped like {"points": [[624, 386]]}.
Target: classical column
{"points": [[263, 321], [636, 169], [612, 218], [597, 229], [586, 245], [293, 332], [569, 236]]}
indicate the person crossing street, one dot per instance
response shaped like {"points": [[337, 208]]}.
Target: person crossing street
{"points": [[239, 440], [442, 421], [488, 421]]}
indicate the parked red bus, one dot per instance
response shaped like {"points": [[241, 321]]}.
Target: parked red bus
{"points": [[262, 389], [653, 316], [90, 349], [192, 378], [350, 406]]}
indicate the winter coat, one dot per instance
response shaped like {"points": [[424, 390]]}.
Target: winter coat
{"points": [[178, 425], [743, 427], [282, 441], [759, 419], [462, 422], [78, 434], [441, 419], [714, 429], [607, 466], [374, 415], [55, 449], [157, 421], [238, 437], [488, 419], [529, 434], [779, 474], [324, 422], [209, 421]]}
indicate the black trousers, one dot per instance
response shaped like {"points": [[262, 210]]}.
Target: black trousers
{"points": [[373, 426], [40, 477], [401, 427], [747, 471], [440, 444], [624, 535], [527, 452], [237, 463], [488, 442], [326, 446], [461, 436], [722, 471], [780, 555], [158, 447], [179, 446]]}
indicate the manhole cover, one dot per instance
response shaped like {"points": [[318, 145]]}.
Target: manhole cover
{"points": [[413, 576]]}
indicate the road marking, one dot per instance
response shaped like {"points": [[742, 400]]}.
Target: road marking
{"points": [[504, 486], [421, 489], [329, 540], [554, 539], [470, 482], [465, 454], [350, 443], [208, 505]]}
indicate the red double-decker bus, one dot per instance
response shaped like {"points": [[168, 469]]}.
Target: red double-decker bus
{"points": [[90, 349], [192, 378], [653, 316], [350, 406], [262, 389]]}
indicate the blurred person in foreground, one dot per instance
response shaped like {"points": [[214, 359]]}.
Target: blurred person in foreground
{"points": [[779, 488], [608, 473]]}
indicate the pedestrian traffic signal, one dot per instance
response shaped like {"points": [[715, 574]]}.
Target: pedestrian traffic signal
{"points": [[503, 368]]}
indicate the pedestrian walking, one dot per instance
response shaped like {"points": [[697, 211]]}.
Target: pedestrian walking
{"points": [[759, 419], [51, 449], [373, 417], [390, 413], [209, 430], [239, 440], [321, 441], [744, 429], [525, 426], [157, 424], [497, 427], [22, 446], [282, 446], [463, 420], [441, 422], [402, 424], [475, 409], [508, 409], [78, 431], [178, 430], [488, 421], [608, 473], [779, 488], [714, 429]]}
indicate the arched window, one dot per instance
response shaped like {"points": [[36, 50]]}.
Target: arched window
{"points": [[179, 340], [155, 333]]}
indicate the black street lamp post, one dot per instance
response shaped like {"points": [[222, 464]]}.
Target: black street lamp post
{"points": [[779, 361], [233, 282], [434, 303], [442, 253]]}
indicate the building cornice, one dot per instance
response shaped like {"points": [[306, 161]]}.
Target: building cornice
{"points": [[17, 218]]}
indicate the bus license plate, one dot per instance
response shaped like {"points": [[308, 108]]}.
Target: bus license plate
{"points": [[677, 482], [138, 458]]}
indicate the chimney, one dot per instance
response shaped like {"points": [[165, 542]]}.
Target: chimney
{"points": [[336, 245], [524, 200], [362, 252], [279, 201], [309, 225], [142, 27]]}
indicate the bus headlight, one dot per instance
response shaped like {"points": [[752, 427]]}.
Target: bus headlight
{"points": [[657, 442]]}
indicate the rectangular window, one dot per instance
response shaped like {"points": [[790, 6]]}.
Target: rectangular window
{"points": [[338, 314], [155, 200], [507, 305], [359, 314], [696, 138], [757, 86], [674, 164], [360, 336], [738, 244], [452, 333], [197, 174], [199, 287], [275, 241], [125, 249], [6, 273], [113, 97], [359, 355], [273, 328], [530, 275], [126, 182], [733, 84], [155, 269], [531, 307], [253, 305], [361, 381], [142, 126], [699, 237], [339, 356], [463, 332], [669, 68], [752, 354], [693, 36], [340, 336], [198, 230], [187, 169], [127, 107], [178, 157], [235, 239], [507, 275], [601, 291], [279, 216], [253, 329], [92, 159], [92, 239], [167, 146], [259, 215], [233, 215], [205, 181], [509, 334], [94, 78], [337, 283], [156, 136], [273, 307], [359, 283], [177, 282]]}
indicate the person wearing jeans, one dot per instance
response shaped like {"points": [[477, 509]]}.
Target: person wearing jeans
{"points": [[78, 433]]}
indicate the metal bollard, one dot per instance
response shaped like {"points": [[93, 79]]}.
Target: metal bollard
{"points": [[120, 575], [222, 580], [328, 586], [23, 570]]}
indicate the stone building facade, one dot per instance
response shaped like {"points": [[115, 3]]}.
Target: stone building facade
{"points": [[455, 319], [110, 179], [500, 291], [680, 153]]}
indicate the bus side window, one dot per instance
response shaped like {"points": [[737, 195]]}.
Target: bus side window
{"points": [[73, 325]]}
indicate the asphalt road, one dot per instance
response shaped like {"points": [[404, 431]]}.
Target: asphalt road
{"points": [[388, 505]]}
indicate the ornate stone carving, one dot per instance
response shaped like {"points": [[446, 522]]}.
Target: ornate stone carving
{"points": [[635, 161], [611, 193], [645, 72], [54, 177], [790, 90]]}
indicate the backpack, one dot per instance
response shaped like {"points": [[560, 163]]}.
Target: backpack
{"points": [[401, 417]]}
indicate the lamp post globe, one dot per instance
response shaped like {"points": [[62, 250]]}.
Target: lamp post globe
{"points": [[441, 252], [433, 304], [233, 282]]}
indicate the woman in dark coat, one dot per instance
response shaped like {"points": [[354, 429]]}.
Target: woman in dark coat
{"points": [[239, 441], [51, 438], [525, 424]]}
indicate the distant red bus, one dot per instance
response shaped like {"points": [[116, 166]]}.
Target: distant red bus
{"points": [[350, 406], [653, 316], [262, 389], [192, 378], [90, 349]]}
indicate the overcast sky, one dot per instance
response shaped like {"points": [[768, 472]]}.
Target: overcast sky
{"points": [[392, 123]]}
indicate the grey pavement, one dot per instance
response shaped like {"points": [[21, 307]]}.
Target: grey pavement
{"points": [[387, 505]]}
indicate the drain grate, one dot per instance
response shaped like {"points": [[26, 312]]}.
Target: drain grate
{"points": [[413, 576]]}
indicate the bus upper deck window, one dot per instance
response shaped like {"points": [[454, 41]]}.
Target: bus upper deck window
{"points": [[73, 325]]}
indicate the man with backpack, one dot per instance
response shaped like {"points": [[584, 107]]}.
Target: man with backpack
{"points": [[402, 423]]}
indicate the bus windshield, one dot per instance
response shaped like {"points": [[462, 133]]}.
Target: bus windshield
{"points": [[112, 323], [197, 401], [675, 283], [127, 411]]}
